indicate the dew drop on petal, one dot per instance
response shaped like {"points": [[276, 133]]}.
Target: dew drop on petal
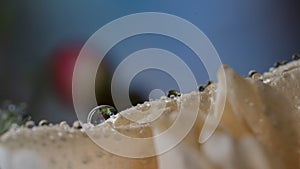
{"points": [[43, 123], [173, 94], [77, 125], [29, 124], [257, 76], [101, 113], [64, 124]]}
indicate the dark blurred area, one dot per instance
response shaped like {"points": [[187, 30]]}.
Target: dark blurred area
{"points": [[40, 40]]}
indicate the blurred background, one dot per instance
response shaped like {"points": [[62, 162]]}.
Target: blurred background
{"points": [[40, 40]]}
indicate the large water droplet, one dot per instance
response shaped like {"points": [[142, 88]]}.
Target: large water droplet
{"points": [[101, 113], [43, 123], [173, 94]]}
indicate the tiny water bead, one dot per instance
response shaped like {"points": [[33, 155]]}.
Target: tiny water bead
{"points": [[77, 125], [64, 125], [29, 124], [251, 73], [173, 93], [202, 87], [43, 123], [101, 113], [254, 75], [277, 64]]}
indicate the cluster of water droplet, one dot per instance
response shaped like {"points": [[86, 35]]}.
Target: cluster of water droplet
{"points": [[255, 75], [294, 57], [31, 124], [101, 113]]}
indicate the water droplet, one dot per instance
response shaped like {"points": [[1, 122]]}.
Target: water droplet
{"points": [[43, 123], [147, 105], [29, 124], [251, 73], [277, 64], [201, 88], [101, 113], [63, 124], [77, 125], [257, 76], [173, 94]]}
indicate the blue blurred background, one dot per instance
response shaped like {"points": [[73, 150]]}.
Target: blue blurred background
{"points": [[38, 38]]}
